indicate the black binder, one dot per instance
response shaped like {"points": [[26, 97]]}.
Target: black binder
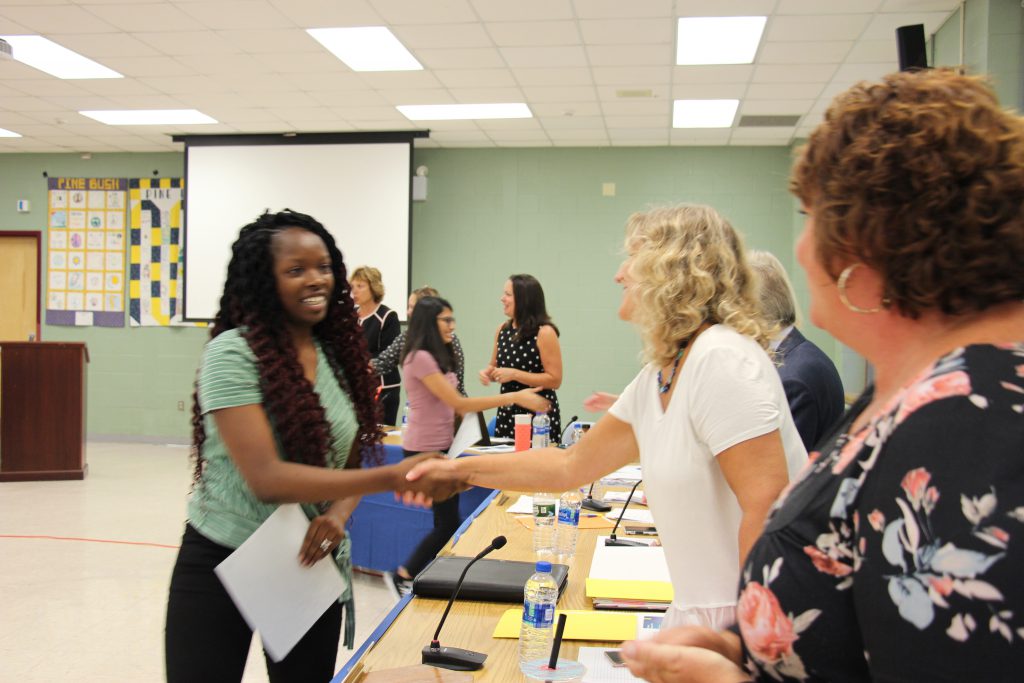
{"points": [[487, 580]]}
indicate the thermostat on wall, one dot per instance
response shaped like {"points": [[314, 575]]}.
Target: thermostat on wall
{"points": [[23, 206]]}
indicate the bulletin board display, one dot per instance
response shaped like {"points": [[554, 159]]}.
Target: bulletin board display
{"points": [[86, 251], [155, 252]]}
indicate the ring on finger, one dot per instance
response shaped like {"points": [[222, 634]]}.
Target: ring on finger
{"points": [[325, 545]]}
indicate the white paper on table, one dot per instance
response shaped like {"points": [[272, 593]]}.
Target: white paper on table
{"points": [[628, 563], [600, 669], [497, 448], [524, 506], [621, 496], [468, 434], [630, 473], [631, 515], [275, 594]]}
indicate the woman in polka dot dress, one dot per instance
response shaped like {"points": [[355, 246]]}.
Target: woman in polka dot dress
{"points": [[526, 352]]}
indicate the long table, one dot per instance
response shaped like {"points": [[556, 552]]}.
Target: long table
{"points": [[403, 633]]}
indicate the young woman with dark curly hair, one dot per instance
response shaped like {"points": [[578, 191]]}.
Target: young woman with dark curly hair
{"points": [[283, 411]]}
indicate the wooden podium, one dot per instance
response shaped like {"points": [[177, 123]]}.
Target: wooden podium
{"points": [[42, 411]]}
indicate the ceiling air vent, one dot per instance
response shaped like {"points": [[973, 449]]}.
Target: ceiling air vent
{"points": [[637, 92], [777, 121]]}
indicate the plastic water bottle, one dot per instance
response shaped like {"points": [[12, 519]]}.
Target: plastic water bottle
{"points": [[405, 421], [577, 433], [568, 523], [541, 430], [539, 597], [544, 519]]}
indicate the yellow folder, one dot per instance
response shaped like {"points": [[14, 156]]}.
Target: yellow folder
{"points": [[579, 625], [660, 591]]}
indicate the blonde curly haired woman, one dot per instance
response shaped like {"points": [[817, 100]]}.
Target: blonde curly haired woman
{"points": [[707, 416]]}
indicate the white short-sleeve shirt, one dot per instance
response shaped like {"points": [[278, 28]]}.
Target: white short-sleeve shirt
{"points": [[727, 392]]}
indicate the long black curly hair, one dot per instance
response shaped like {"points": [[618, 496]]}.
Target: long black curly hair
{"points": [[250, 302]]}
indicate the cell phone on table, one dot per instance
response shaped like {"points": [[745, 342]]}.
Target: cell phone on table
{"points": [[615, 657]]}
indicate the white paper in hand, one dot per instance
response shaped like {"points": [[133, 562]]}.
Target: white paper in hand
{"points": [[275, 594], [468, 434]]}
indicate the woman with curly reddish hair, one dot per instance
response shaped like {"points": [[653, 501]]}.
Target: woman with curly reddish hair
{"points": [[283, 409], [897, 554]]}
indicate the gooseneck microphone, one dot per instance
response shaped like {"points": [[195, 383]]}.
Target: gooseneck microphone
{"points": [[590, 504], [453, 657], [612, 540]]}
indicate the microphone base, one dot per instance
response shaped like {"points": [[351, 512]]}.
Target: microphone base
{"points": [[453, 658], [595, 505], [621, 542]]}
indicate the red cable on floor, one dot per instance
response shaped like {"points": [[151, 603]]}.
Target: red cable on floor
{"points": [[91, 540]]}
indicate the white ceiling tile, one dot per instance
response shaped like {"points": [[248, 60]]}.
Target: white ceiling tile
{"points": [[287, 113], [327, 13], [381, 80], [627, 76], [188, 43], [487, 95], [242, 115], [443, 136], [874, 51], [851, 73], [26, 103], [611, 93], [553, 77], [726, 73], [724, 8], [775, 107], [99, 45], [557, 94], [523, 10], [534, 33], [617, 122], [239, 64], [470, 78], [509, 124], [575, 122], [278, 40], [523, 143], [697, 136], [763, 133], [141, 67], [615, 9], [637, 107], [235, 14], [709, 91], [47, 20], [816, 28], [630, 55], [52, 86], [628, 31], [413, 96], [419, 12], [883, 26], [301, 63], [830, 7], [794, 73], [831, 52], [555, 57], [343, 98], [80, 102], [256, 89], [463, 125], [327, 81], [148, 102], [583, 143], [118, 86], [447, 36], [460, 58], [947, 6], [577, 133], [261, 127], [355, 113], [638, 136], [163, 16], [518, 135], [778, 91]]}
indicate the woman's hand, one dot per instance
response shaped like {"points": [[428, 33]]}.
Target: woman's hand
{"points": [[503, 375], [421, 489], [667, 659], [322, 537], [599, 402], [485, 375], [529, 399]]}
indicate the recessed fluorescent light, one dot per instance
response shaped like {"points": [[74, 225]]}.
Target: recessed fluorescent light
{"points": [[451, 112], [366, 48], [703, 113], [148, 117], [4, 133], [718, 40], [56, 60]]}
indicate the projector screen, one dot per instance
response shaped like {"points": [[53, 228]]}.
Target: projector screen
{"points": [[359, 190]]}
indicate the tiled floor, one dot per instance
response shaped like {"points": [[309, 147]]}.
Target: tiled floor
{"points": [[75, 606]]}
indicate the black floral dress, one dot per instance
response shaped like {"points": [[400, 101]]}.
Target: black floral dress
{"points": [[522, 355], [898, 554]]}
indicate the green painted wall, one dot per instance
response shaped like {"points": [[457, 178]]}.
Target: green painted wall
{"points": [[490, 213]]}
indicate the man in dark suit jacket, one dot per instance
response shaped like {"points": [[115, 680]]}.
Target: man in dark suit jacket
{"points": [[810, 379]]}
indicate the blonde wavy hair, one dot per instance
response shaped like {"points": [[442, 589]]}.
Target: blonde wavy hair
{"points": [[688, 267]]}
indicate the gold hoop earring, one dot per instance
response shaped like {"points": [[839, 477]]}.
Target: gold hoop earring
{"points": [[841, 286]]}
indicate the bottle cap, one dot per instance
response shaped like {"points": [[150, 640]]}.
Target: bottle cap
{"points": [[544, 566]]}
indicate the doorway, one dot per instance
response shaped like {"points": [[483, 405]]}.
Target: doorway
{"points": [[20, 286]]}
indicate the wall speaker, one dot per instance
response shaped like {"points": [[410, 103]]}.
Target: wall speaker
{"points": [[910, 41]]}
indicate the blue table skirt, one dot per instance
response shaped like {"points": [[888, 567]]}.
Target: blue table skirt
{"points": [[384, 532]]}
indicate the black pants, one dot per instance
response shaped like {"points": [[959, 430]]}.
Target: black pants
{"points": [[207, 640], [446, 523], [388, 400]]}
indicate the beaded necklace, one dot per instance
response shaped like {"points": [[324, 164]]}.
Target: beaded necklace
{"points": [[663, 387]]}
